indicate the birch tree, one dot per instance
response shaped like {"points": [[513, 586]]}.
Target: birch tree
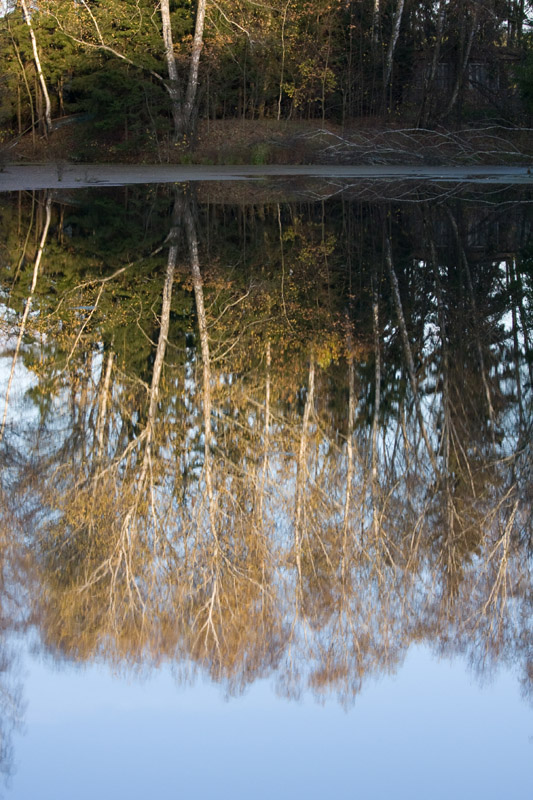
{"points": [[95, 29], [36, 57]]}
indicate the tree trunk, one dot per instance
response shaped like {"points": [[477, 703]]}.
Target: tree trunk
{"points": [[172, 86], [392, 45], [198, 286], [377, 403], [192, 84], [459, 81], [375, 24], [425, 108], [282, 66], [26, 83], [103, 401], [350, 459], [473, 304], [183, 112], [301, 470], [47, 119], [408, 352]]}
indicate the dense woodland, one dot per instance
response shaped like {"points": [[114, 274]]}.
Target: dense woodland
{"points": [[144, 73]]}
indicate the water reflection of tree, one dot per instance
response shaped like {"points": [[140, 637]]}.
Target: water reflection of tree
{"points": [[13, 620], [308, 484]]}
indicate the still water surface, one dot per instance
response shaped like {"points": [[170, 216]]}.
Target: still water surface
{"points": [[266, 492]]}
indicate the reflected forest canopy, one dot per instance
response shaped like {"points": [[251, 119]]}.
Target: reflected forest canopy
{"points": [[270, 439]]}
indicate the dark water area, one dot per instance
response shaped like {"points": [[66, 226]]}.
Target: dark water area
{"points": [[273, 451]]}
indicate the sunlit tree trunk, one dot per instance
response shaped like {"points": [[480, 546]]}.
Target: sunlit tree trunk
{"points": [[47, 106], [173, 87], [192, 84], [183, 112]]}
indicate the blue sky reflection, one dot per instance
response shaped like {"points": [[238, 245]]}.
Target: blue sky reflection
{"points": [[430, 731]]}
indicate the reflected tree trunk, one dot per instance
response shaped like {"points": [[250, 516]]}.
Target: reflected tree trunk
{"points": [[516, 348], [377, 401], [266, 434], [27, 308], [103, 402], [517, 280], [198, 286], [301, 470], [448, 471], [408, 352], [473, 304], [350, 458]]}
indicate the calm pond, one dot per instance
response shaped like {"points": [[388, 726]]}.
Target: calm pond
{"points": [[266, 491]]}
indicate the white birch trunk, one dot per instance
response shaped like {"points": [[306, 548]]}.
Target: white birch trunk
{"points": [[192, 84], [172, 86], [183, 109], [36, 58]]}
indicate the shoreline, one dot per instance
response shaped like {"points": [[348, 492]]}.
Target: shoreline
{"points": [[30, 177]]}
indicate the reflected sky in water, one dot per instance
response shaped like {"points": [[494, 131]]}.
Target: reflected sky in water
{"points": [[284, 447], [431, 729]]}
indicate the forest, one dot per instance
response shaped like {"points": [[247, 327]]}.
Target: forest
{"points": [[140, 77]]}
